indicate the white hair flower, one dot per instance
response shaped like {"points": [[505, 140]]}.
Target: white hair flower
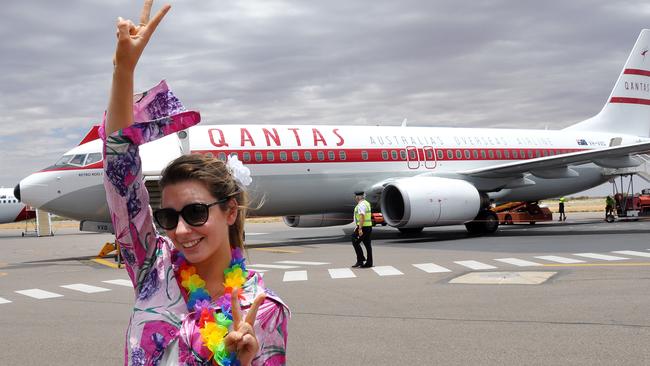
{"points": [[241, 173]]}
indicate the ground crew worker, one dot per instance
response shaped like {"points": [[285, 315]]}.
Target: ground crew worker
{"points": [[362, 230], [609, 206], [561, 209]]}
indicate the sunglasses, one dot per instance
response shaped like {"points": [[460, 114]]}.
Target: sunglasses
{"points": [[194, 214]]}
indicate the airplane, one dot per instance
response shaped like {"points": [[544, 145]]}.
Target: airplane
{"points": [[11, 209], [417, 176]]}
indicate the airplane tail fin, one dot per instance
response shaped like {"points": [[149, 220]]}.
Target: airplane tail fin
{"points": [[628, 108], [93, 134]]}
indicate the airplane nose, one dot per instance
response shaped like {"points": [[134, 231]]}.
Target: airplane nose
{"points": [[17, 191]]}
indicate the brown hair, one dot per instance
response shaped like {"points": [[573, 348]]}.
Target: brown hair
{"points": [[217, 178]]}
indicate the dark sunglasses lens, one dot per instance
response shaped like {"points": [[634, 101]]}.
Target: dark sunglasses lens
{"points": [[195, 214], [166, 218]]}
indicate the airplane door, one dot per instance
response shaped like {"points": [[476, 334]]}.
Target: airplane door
{"points": [[412, 158], [429, 157]]}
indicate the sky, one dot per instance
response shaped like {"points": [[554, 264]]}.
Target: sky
{"points": [[502, 64]]}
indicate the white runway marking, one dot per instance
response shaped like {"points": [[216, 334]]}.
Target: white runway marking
{"points": [[555, 258], [632, 252], [271, 266], [4, 301], [290, 276], [387, 271], [475, 265], [85, 288], [38, 294], [120, 282], [303, 263], [336, 273], [518, 262], [604, 257], [431, 268]]}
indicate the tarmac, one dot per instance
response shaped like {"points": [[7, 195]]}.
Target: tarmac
{"points": [[573, 292]]}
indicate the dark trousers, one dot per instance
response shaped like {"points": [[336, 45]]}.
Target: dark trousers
{"points": [[365, 238]]}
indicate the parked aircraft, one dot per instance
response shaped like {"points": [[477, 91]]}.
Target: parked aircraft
{"points": [[417, 176], [11, 209]]}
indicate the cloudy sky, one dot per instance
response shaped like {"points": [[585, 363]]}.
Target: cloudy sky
{"points": [[523, 64]]}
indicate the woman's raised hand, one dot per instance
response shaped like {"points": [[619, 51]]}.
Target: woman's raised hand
{"points": [[242, 339], [132, 39]]}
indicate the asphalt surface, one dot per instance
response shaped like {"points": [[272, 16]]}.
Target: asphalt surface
{"points": [[593, 312]]}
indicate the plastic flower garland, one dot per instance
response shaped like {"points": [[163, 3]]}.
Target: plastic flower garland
{"points": [[214, 326]]}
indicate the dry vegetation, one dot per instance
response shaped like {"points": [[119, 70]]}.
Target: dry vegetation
{"points": [[578, 204]]}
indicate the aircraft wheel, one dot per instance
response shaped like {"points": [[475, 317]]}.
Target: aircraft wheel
{"points": [[490, 222]]}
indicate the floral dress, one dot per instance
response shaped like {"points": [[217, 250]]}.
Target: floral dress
{"points": [[161, 329]]}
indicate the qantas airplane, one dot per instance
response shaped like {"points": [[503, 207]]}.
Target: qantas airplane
{"points": [[11, 209], [417, 176]]}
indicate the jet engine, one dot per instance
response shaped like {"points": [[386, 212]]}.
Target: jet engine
{"points": [[320, 220], [429, 201]]}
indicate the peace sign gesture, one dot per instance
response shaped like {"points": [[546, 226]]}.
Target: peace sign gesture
{"points": [[132, 39], [242, 339]]}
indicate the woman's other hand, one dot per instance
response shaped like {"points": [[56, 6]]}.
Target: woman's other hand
{"points": [[242, 339]]}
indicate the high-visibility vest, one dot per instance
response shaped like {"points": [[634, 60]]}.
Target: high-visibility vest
{"points": [[368, 215]]}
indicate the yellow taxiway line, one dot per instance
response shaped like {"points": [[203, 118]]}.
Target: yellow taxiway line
{"points": [[107, 263]]}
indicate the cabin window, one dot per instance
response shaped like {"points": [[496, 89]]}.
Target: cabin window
{"points": [[450, 154], [475, 153], [364, 155], [320, 155], [222, 156], [93, 158], [537, 154], [258, 156], [209, 155], [530, 154], [429, 154], [307, 155], [506, 153], [295, 156], [342, 155], [459, 154], [413, 155], [483, 154], [498, 154], [514, 154], [491, 154], [441, 154], [393, 154], [283, 155], [384, 154], [331, 155], [467, 154], [270, 156], [402, 154], [247, 157]]}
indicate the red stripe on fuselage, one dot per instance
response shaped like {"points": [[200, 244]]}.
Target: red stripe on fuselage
{"points": [[25, 214]]}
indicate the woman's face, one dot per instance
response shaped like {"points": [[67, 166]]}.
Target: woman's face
{"points": [[199, 243]]}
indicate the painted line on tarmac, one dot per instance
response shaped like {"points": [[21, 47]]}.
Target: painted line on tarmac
{"points": [[4, 301], [274, 250], [82, 287], [640, 264], [104, 262]]}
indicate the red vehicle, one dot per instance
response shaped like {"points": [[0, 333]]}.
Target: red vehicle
{"points": [[378, 219], [518, 212]]}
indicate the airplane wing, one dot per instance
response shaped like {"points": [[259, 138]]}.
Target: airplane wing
{"points": [[558, 166]]}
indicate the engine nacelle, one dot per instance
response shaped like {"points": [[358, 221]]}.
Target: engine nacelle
{"points": [[429, 201], [321, 220]]}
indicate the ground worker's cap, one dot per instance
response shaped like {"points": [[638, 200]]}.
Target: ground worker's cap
{"points": [[358, 193]]}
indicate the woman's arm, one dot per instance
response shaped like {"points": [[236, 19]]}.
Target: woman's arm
{"points": [[131, 41]]}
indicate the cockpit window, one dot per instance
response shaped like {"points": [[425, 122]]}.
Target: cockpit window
{"points": [[93, 158], [78, 160]]}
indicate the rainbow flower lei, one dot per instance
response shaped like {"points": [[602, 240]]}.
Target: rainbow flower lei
{"points": [[214, 326]]}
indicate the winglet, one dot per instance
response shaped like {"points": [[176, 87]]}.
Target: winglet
{"points": [[93, 134]]}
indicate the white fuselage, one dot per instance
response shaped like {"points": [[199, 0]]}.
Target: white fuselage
{"points": [[299, 169], [11, 209]]}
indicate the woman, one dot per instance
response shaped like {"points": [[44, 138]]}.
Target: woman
{"points": [[191, 285]]}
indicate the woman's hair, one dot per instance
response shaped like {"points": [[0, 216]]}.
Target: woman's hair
{"points": [[217, 178]]}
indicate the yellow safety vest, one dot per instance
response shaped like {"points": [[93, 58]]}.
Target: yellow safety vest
{"points": [[368, 215]]}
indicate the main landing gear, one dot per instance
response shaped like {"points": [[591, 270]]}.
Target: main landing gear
{"points": [[486, 222]]}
